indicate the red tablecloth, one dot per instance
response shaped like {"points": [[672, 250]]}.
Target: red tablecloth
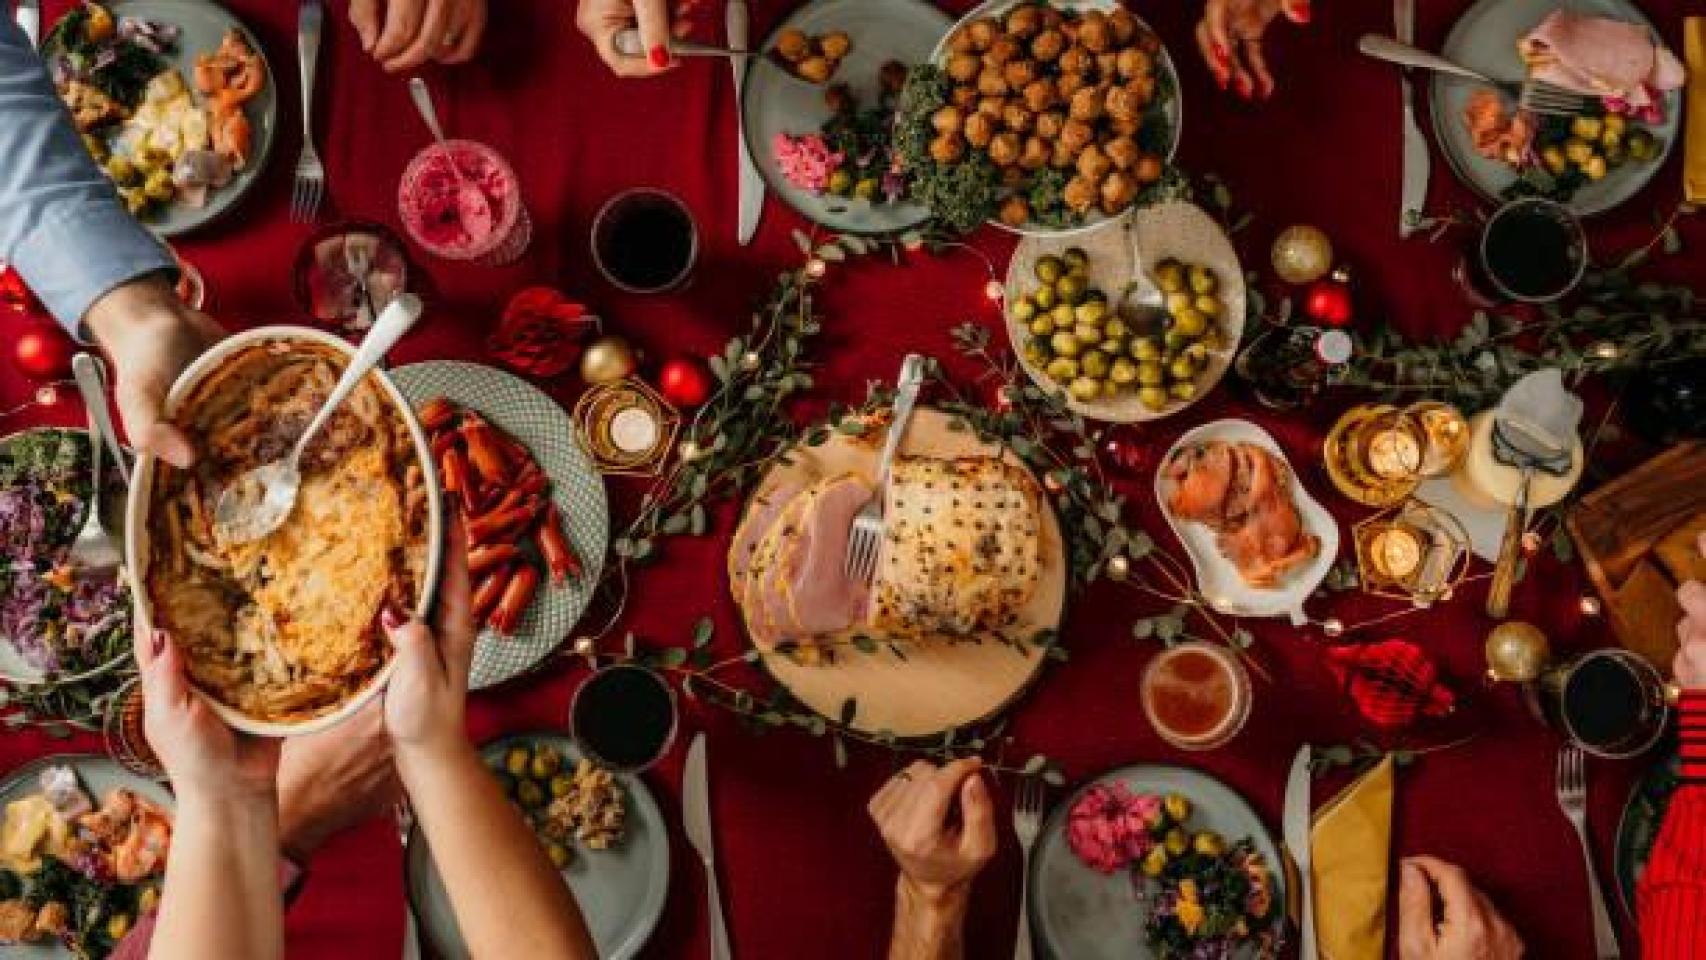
{"points": [[803, 873]]}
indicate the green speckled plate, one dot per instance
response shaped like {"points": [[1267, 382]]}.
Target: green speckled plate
{"points": [[526, 413], [1638, 827]]}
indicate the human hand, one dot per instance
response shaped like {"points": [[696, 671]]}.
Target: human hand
{"points": [[1690, 663], [334, 779], [937, 858], [151, 336], [1229, 37], [1471, 929], [205, 759], [403, 34], [425, 700], [600, 20]]}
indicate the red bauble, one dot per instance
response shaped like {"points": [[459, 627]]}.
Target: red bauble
{"points": [[1328, 300], [14, 295], [43, 352], [684, 382]]}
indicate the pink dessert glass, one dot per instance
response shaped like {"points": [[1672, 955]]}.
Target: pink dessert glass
{"points": [[428, 204]]}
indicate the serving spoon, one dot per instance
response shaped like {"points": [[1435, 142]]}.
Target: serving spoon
{"points": [[256, 503]]}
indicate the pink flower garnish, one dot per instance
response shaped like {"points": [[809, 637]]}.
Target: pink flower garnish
{"points": [[1108, 828], [806, 161]]}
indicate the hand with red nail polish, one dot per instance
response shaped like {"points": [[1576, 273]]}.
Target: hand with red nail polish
{"points": [[425, 698], [601, 20], [204, 757], [1230, 38]]}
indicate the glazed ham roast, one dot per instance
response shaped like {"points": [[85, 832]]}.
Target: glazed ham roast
{"points": [[1243, 493], [961, 557]]}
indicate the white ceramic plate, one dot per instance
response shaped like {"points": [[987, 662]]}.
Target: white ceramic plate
{"points": [[1079, 914], [99, 775], [621, 891], [1217, 578], [1125, 254], [136, 547], [527, 414], [1484, 39], [1172, 107], [204, 24], [774, 103]]}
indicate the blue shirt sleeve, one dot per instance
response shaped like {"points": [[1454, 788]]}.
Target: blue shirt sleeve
{"points": [[62, 225]]}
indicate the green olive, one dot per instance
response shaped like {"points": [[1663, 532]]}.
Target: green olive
{"points": [[517, 760], [1094, 363], [1203, 280], [1152, 397], [1170, 276], [1075, 257], [1179, 302], [1024, 310], [1184, 390], [1062, 370], [1115, 328], [559, 855], [840, 182], [1085, 389], [1071, 288], [1145, 348], [1182, 369], [1049, 269], [1198, 354], [1122, 371], [1642, 145], [1112, 346], [1042, 326], [1177, 806], [1188, 323], [1150, 374], [530, 794], [1045, 298], [1087, 333], [1063, 316], [1090, 311], [1037, 353], [1207, 304]]}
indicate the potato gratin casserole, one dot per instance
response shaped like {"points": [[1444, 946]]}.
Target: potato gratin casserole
{"points": [[285, 628]]}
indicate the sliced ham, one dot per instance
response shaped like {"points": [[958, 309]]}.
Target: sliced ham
{"points": [[1601, 57], [793, 585], [761, 516]]}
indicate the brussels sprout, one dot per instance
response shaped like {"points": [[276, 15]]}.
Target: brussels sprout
{"points": [[1611, 140], [1188, 323], [1203, 280], [1042, 326], [1208, 843], [1071, 288], [1091, 311], [1177, 806], [1122, 371], [1045, 298], [559, 855], [1174, 341], [1037, 353], [1145, 348], [1062, 370], [1182, 368], [1087, 333], [1094, 363], [1150, 374], [1212, 339], [1179, 302], [1115, 329], [1154, 398], [1063, 316], [1170, 276], [1197, 354], [1207, 304], [158, 188], [1085, 389], [1065, 344], [1075, 257], [1183, 390], [1049, 269], [1025, 310], [840, 182], [530, 794], [1154, 861], [1615, 154], [517, 760], [1587, 128]]}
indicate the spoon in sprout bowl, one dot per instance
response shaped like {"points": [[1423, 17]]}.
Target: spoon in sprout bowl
{"points": [[256, 503]]}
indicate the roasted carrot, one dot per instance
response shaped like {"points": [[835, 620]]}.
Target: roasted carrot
{"points": [[485, 452], [456, 479], [530, 479], [499, 526], [437, 414], [554, 546], [487, 556], [490, 590], [443, 441], [516, 597]]}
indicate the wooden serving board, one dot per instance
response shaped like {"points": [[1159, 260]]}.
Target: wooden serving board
{"points": [[1616, 529], [934, 686]]}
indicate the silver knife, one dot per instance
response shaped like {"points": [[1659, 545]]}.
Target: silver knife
{"points": [[696, 820], [751, 184], [1413, 193], [28, 15], [1296, 826]]}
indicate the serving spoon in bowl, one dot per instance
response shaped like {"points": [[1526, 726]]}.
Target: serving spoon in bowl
{"points": [[256, 503]]}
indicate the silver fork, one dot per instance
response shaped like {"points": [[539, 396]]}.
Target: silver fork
{"points": [[865, 543], [1533, 95], [1027, 822], [310, 186], [1572, 799], [95, 549], [1537, 96]]}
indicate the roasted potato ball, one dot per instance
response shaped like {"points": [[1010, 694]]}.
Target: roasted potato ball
{"points": [[1051, 124], [1094, 31], [964, 97], [1048, 45], [990, 83], [1148, 169], [1125, 126], [947, 119], [1034, 155], [1122, 104], [1080, 194], [1015, 212], [1068, 84], [835, 44], [1004, 149], [1023, 21], [1107, 64], [964, 67], [947, 148], [792, 45], [1077, 135], [1118, 190], [1061, 157], [1019, 73], [1093, 163], [1123, 151], [1052, 18], [979, 129], [983, 33], [1076, 60], [814, 69], [1132, 62], [960, 42], [992, 107], [1039, 94], [1016, 118], [1086, 105], [1123, 25], [1001, 51], [1142, 87]]}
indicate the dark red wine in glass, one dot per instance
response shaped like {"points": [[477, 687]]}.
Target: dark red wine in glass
{"points": [[624, 717], [645, 241], [1530, 251], [1610, 702]]}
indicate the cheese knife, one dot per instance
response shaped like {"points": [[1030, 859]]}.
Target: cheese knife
{"points": [[1296, 826], [696, 821], [751, 184], [1413, 191], [28, 15]]}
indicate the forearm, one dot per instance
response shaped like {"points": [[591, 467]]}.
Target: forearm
{"points": [[221, 896], [928, 926], [1671, 898], [508, 899]]}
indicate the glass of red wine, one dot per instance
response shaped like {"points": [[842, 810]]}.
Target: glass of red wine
{"points": [[1531, 250], [624, 717], [1611, 702], [645, 240]]}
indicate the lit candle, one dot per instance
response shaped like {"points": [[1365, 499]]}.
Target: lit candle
{"points": [[634, 430]]}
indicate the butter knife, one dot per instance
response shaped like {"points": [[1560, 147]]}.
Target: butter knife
{"points": [[28, 15], [1296, 826], [1413, 192], [696, 821], [751, 184]]}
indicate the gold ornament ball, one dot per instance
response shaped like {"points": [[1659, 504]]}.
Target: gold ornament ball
{"points": [[1302, 254], [608, 358], [1516, 652]]}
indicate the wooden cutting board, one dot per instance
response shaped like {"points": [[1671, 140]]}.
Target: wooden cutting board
{"points": [[929, 687], [1619, 530]]}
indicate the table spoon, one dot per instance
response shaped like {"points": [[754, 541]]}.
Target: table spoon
{"points": [[256, 503], [471, 200]]}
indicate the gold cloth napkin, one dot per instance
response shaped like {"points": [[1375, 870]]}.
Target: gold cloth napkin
{"points": [[1694, 93], [1350, 858]]}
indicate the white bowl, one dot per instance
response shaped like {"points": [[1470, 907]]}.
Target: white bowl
{"points": [[136, 551]]}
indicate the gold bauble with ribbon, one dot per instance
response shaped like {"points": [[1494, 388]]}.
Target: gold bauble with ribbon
{"points": [[607, 358], [1516, 652], [1302, 254]]}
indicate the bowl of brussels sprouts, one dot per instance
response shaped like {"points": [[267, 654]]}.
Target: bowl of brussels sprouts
{"points": [[1131, 323]]}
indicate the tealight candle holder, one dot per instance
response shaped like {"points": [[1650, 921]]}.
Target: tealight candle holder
{"points": [[1411, 551], [626, 427]]}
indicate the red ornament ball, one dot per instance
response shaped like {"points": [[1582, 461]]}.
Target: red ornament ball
{"points": [[684, 382], [14, 294], [43, 352], [1328, 300]]}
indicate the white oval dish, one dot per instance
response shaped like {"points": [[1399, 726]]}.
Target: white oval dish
{"points": [[136, 548], [1217, 579]]}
